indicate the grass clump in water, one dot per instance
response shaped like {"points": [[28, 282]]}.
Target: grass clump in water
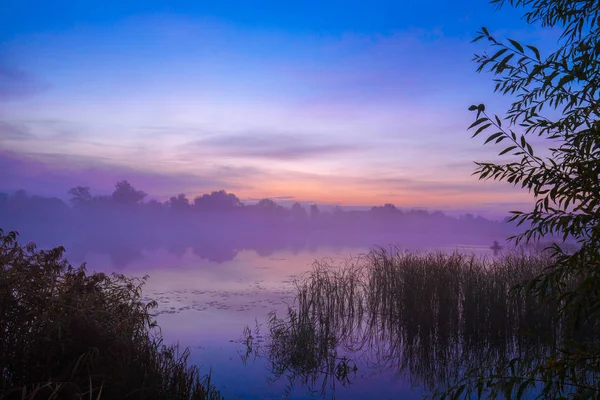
{"points": [[431, 317], [67, 334]]}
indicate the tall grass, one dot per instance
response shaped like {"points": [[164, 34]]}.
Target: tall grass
{"points": [[430, 317], [67, 334]]}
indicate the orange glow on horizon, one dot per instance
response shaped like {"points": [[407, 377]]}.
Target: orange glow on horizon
{"points": [[348, 192]]}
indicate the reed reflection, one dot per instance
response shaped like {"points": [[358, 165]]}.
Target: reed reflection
{"points": [[429, 317]]}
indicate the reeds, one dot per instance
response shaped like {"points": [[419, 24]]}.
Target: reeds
{"points": [[429, 316], [67, 334]]}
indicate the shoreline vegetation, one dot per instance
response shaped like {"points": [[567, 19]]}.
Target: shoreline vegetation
{"points": [[217, 226], [433, 318], [70, 334], [518, 326]]}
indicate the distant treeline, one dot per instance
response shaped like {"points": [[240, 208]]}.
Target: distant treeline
{"points": [[218, 225]]}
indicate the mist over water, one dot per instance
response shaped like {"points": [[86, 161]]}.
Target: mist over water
{"points": [[217, 226], [216, 265]]}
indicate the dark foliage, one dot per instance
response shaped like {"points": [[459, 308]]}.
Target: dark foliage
{"points": [[67, 334], [551, 135]]}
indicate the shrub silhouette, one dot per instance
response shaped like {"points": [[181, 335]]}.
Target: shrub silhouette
{"points": [[67, 334]]}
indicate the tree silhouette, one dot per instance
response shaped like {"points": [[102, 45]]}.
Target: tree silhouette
{"points": [[125, 193], [19, 196], [80, 195], [298, 212], [314, 212], [180, 203], [266, 205], [217, 201]]}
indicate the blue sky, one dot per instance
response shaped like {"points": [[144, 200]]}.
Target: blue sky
{"points": [[352, 103]]}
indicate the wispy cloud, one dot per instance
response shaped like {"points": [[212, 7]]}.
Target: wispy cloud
{"points": [[14, 131], [182, 104], [16, 83], [277, 146], [283, 199], [54, 174]]}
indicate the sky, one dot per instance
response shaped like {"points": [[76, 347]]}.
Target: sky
{"points": [[355, 103]]}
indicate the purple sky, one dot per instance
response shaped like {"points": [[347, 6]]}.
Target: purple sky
{"points": [[356, 105]]}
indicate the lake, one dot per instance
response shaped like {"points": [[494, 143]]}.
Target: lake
{"points": [[206, 305]]}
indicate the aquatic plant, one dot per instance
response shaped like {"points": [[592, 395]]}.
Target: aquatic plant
{"points": [[431, 317], [68, 334]]}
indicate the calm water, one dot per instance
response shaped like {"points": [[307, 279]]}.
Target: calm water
{"points": [[205, 306]]}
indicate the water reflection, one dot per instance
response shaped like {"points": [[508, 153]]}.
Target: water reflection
{"points": [[123, 252], [204, 304], [428, 318]]}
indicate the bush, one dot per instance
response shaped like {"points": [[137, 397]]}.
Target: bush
{"points": [[557, 100], [67, 334]]}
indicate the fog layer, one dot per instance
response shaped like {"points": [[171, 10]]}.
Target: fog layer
{"points": [[216, 226]]}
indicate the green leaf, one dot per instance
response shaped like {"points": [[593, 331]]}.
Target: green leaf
{"points": [[498, 121], [536, 51], [529, 148], [504, 62], [565, 79], [498, 53], [494, 136], [481, 128], [479, 121], [516, 44], [506, 150]]}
